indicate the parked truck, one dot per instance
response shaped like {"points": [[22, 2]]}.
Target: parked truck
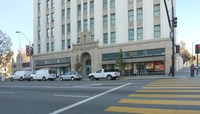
{"points": [[109, 74]]}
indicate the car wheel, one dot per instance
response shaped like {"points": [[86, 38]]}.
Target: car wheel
{"points": [[72, 78], [21, 79], [11, 79], [91, 78], [61, 79], [109, 77], [32, 79], [43, 79]]}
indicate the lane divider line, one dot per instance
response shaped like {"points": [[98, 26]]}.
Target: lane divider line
{"points": [[89, 99]]}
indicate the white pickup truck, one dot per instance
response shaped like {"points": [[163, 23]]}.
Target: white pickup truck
{"points": [[108, 74]]}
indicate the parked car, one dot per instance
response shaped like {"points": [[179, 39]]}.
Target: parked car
{"points": [[21, 75], [70, 76], [108, 74], [43, 75], [196, 66]]}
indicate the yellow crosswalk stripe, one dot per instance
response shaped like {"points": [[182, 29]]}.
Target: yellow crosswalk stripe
{"points": [[150, 110], [170, 87], [174, 85], [173, 91], [160, 102], [165, 95]]}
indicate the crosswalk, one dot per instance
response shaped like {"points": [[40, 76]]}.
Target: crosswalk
{"points": [[165, 96]]}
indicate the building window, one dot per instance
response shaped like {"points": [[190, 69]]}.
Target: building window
{"points": [[112, 19], [79, 9], [130, 1], [78, 25], [68, 44], [47, 18], [63, 1], [63, 14], [52, 32], [139, 14], [140, 33], [68, 12], [112, 3], [38, 48], [85, 8], [105, 38], [47, 4], [52, 46], [38, 35], [105, 3], [156, 31], [63, 44], [92, 38], [39, 7], [131, 34], [91, 23], [112, 37], [38, 20], [84, 38], [105, 20], [130, 15], [157, 10], [47, 33], [47, 47], [78, 40], [52, 17], [63, 29], [52, 4], [91, 6], [68, 28], [85, 24]]}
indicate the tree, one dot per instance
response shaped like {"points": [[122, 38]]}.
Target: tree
{"points": [[5, 59], [184, 52], [78, 64], [120, 61], [5, 53]]}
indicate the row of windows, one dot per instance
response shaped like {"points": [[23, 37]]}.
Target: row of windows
{"points": [[52, 46], [53, 61], [105, 38], [134, 54]]}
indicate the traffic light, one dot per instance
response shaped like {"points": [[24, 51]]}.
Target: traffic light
{"points": [[193, 57], [197, 48], [175, 22], [177, 48]]}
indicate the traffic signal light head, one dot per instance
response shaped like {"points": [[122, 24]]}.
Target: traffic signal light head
{"points": [[177, 48], [197, 48], [175, 22]]}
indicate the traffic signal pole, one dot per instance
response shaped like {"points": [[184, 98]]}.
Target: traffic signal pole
{"points": [[172, 36], [197, 64]]}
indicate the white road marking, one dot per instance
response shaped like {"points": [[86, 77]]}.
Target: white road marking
{"points": [[6, 92], [69, 96], [89, 99]]}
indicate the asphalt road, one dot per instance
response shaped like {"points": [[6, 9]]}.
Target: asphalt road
{"points": [[100, 97]]}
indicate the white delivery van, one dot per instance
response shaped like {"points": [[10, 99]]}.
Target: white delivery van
{"points": [[21, 75], [43, 74]]}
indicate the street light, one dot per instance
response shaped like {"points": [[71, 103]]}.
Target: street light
{"points": [[29, 46]]}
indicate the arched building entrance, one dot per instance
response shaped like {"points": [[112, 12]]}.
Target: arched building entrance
{"points": [[87, 63]]}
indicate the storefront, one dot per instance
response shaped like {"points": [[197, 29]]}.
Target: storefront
{"points": [[142, 62]]}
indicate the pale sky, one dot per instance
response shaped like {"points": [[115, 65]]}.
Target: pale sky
{"points": [[17, 15]]}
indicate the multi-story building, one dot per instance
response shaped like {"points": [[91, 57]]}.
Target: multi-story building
{"points": [[96, 30]]}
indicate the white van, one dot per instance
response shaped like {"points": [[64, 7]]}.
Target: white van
{"points": [[21, 75], [43, 74]]}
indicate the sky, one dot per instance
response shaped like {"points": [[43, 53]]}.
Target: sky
{"points": [[17, 15]]}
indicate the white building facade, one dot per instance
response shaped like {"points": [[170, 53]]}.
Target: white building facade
{"points": [[96, 30]]}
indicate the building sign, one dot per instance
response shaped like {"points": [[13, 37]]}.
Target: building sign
{"points": [[149, 65], [159, 67], [25, 65]]}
